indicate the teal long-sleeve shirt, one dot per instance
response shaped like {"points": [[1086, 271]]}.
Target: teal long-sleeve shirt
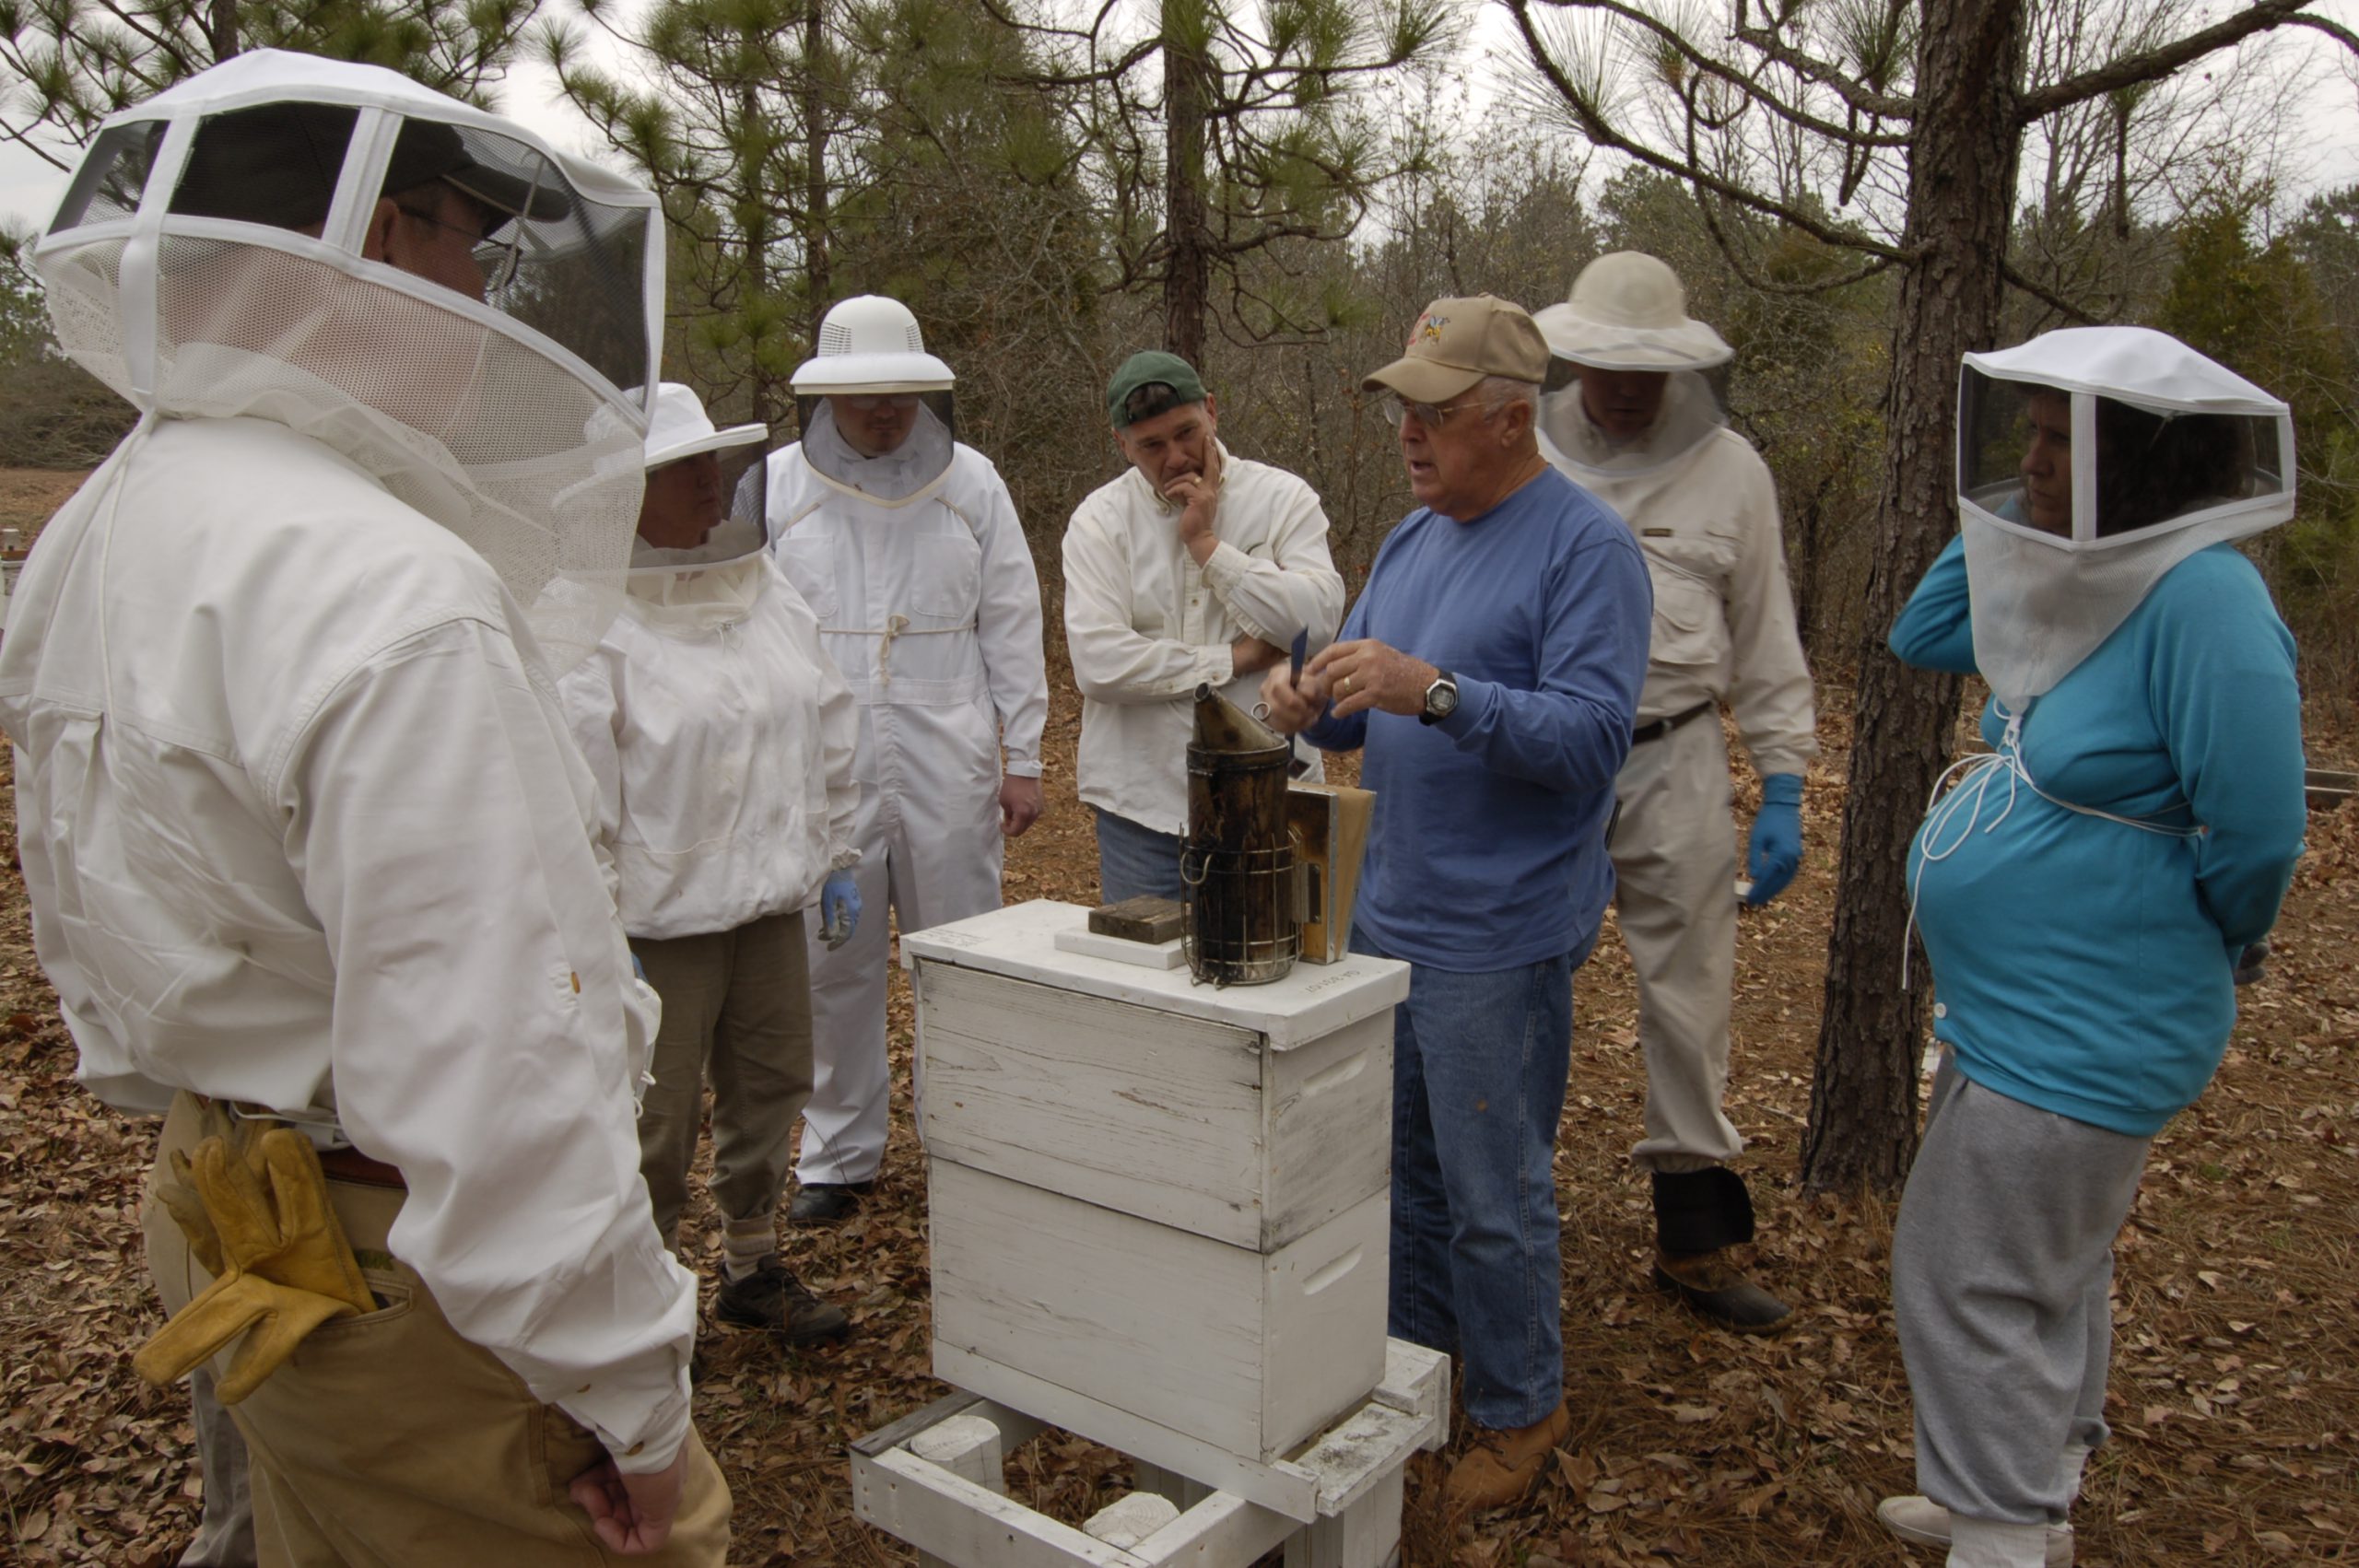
{"points": [[2081, 965]]}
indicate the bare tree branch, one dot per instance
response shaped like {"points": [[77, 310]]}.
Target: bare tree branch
{"points": [[1597, 129], [2047, 297], [1824, 73], [2154, 63]]}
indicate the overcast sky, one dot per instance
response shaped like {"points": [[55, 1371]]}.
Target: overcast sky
{"points": [[29, 187]]}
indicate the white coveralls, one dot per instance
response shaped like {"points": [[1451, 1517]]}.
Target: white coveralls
{"points": [[931, 610], [1147, 625], [1724, 631], [302, 828], [720, 738]]}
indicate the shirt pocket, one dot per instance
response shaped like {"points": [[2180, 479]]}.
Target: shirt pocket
{"points": [[947, 580], [1690, 623]]}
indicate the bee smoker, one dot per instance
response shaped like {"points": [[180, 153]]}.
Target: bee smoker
{"points": [[1243, 903]]}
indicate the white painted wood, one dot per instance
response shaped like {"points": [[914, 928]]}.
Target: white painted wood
{"points": [[1131, 1518], [1365, 1535], [1020, 941], [1416, 1383], [1148, 1475], [1353, 1456], [968, 1446], [1155, 1113], [1246, 1352], [1324, 1311], [1122, 950], [961, 1523], [1279, 1486], [1222, 1531]]}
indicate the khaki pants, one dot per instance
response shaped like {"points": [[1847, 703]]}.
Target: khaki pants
{"points": [[1674, 867], [737, 1011], [387, 1440]]}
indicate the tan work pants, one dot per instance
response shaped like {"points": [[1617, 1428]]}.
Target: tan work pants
{"points": [[736, 1012], [387, 1440], [1674, 867]]}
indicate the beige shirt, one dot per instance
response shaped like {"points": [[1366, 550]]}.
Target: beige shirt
{"points": [[1724, 616], [1147, 625]]}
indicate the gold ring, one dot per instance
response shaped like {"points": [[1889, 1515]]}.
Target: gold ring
{"points": [[1347, 686]]}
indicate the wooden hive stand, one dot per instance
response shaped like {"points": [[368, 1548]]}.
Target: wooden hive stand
{"points": [[934, 1479]]}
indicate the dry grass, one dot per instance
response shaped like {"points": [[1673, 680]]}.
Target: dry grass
{"points": [[2235, 1386]]}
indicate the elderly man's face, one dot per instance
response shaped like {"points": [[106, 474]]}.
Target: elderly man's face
{"points": [[1623, 403], [874, 423], [1456, 458], [682, 502], [1173, 444]]}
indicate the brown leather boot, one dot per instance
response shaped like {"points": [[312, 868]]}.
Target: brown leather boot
{"points": [[1504, 1466], [1714, 1287]]}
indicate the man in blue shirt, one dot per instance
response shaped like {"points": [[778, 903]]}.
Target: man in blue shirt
{"points": [[1491, 669]]}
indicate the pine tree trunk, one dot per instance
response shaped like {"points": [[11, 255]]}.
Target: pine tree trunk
{"points": [[1961, 183], [818, 280], [1187, 281]]}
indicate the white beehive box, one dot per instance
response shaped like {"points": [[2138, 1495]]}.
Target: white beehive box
{"points": [[1159, 1206]]}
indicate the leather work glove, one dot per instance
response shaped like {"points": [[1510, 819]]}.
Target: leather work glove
{"points": [[838, 910], [285, 1268], [1776, 849], [2251, 964]]}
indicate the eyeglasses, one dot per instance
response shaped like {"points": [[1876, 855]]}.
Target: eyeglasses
{"points": [[1432, 417], [868, 402], [499, 259]]}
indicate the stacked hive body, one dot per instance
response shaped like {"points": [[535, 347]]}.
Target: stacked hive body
{"points": [[1158, 1210]]}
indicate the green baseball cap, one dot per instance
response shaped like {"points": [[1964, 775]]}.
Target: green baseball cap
{"points": [[1151, 367]]}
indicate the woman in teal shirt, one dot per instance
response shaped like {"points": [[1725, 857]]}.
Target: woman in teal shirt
{"points": [[2085, 892]]}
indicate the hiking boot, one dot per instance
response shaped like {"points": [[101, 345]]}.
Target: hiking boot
{"points": [[1504, 1466], [826, 1202], [772, 1299], [1713, 1287], [1923, 1521]]}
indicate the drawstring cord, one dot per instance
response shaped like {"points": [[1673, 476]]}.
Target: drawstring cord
{"points": [[1973, 776]]}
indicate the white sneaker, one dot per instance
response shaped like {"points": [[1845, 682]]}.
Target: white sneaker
{"points": [[1924, 1522]]}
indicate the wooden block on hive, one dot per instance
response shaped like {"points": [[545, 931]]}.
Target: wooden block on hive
{"points": [[1144, 918]]}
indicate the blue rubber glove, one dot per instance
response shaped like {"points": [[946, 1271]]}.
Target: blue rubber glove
{"points": [[1777, 850], [838, 910]]}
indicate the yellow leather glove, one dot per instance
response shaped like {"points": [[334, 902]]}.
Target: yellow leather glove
{"points": [[286, 1266]]}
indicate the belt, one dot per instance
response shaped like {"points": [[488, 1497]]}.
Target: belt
{"points": [[352, 1165], [1661, 727]]}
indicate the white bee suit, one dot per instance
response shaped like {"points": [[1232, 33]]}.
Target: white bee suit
{"points": [[931, 608]]}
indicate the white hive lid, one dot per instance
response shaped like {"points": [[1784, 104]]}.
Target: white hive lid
{"points": [[1020, 941]]}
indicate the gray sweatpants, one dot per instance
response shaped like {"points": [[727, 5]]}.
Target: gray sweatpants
{"points": [[2001, 1263]]}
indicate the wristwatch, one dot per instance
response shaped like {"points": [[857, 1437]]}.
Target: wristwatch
{"points": [[1441, 698]]}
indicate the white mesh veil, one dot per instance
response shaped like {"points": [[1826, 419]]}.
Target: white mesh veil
{"points": [[2091, 462], [1692, 404], [208, 261], [702, 557]]}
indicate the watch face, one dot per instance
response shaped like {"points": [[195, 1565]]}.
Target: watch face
{"points": [[1441, 698]]}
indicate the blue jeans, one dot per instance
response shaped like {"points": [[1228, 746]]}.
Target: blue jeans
{"points": [[1479, 1064], [1133, 861]]}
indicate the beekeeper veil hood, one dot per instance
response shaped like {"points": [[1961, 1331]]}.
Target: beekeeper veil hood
{"points": [[2091, 462], [703, 525], [225, 250], [1629, 313], [877, 411]]}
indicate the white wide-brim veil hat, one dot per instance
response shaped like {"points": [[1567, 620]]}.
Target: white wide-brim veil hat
{"points": [[2044, 599], [178, 272], [717, 581], [870, 347], [1628, 311]]}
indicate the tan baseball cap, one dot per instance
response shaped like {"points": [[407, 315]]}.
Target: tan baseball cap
{"points": [[1456, 343]]}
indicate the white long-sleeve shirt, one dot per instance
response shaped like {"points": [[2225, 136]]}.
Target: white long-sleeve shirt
{"points": [[1147, 625], [722, 745], [1724, 626], [302, 826]]}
